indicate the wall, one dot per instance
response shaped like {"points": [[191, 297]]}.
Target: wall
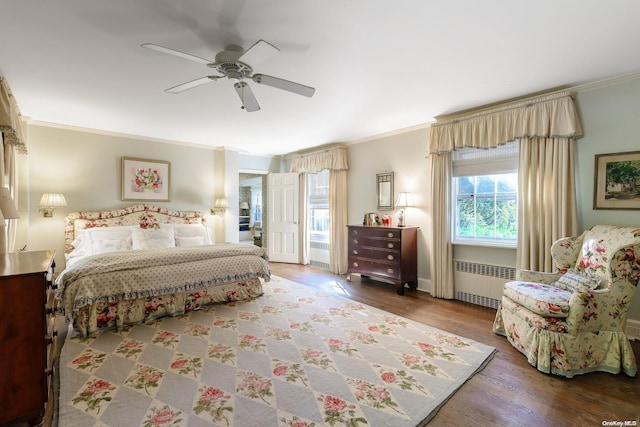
{"points": [[404, 155], [86, 167], [609, 116], [608, 112]]}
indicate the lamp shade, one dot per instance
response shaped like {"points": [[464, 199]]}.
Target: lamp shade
{"points": [[7, 205], [404, 200], [244, 205], [221, 203], [52, 200]]}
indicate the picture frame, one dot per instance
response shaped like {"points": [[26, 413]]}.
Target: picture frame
{"points": [[145, 179], [617, 181], [384, 191]]}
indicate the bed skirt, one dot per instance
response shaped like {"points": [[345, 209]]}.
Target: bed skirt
{"points": [[102, 316]]}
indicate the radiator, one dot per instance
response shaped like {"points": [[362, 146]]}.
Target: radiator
{"points": [[480, 284], [319, 254]]}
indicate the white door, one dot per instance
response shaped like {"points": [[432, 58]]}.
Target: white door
{"points": [[283, 217]]}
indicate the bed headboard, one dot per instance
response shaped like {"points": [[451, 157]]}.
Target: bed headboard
{"points": [[143, 215]]}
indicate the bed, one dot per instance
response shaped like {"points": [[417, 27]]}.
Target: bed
{"points": [[143, 262]]}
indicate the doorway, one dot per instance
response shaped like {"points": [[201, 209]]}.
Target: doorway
{"points": [[251, 217]]}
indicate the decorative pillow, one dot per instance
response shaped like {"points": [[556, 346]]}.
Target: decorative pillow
{"points": [[192, 230], [111, 245], [115, 238], [575, 282], [190, 241], [149, 238]]}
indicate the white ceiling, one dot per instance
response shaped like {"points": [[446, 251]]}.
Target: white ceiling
{"points": [[377, 66]]}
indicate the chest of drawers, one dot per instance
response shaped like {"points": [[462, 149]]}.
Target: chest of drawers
{"points": [[388, 253], [27, 335]]}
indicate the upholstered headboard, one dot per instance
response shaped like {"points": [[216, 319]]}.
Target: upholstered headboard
{"points": [[143, 215]]}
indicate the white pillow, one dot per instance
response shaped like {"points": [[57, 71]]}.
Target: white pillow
{"points": [[192, 230], [576, 282], [109, 239], [190, 241], [149, 238], [81, 244], [111, 245]]}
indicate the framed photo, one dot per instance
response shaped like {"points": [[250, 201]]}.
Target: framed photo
{"points": [[617, 181], [144, 179]]}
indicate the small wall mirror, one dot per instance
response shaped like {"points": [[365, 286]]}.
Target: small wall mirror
{"points": [[384, 183]]}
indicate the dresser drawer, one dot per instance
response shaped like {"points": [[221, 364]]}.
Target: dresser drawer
{"points": [[377, 232], [367, 266], [389, 255]]}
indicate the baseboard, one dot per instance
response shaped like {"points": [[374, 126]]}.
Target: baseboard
{"points": [[633, 329]]}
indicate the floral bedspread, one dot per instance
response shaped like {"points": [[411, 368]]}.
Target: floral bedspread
{"points": [[127, 275]]}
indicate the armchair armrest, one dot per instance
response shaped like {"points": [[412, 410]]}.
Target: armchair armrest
{"points": [[607, 309], [537, 276]]}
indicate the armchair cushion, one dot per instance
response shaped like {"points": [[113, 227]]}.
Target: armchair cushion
{"points": [[544, 300], [576, 282]]}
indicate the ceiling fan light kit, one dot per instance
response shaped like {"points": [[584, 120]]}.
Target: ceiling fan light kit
{"points": [[228, 64]]}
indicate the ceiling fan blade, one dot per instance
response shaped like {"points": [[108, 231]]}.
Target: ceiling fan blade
{"points": [[193, 83], [276, 82], [258, 52], [176, 53], [249, 101]]}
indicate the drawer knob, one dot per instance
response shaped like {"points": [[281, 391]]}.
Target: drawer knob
{"points": [[390, 270], [390, 257], [355, 264], [390, 245], [389, 234], [355, 252], [355, 241], [355, 232]]}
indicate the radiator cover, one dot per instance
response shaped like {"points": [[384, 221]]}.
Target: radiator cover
{"points": [[480, 284]]}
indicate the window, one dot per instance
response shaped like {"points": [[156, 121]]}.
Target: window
{"points": [[485, 192], [318, 202]]}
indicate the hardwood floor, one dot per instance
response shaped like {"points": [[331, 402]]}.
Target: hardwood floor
{"points": [[509, 391]]}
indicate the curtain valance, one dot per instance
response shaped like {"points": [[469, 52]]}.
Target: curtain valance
{"points": [[334, 158], [552, 115], [10, 121]]}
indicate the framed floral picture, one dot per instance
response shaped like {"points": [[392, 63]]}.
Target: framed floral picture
{"points": [[617, 181], [144, 179]]}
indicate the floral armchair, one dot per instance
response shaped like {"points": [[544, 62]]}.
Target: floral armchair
{"points": [[572, 321]]}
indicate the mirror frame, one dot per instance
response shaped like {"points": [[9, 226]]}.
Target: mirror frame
{"points": [[384, 186]]}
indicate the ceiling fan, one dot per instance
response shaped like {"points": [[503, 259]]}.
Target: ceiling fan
{"points": [[233, 64]]}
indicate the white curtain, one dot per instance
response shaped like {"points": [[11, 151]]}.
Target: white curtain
{"points": [[333, 158], [548, 124], [547, 208], [338, 221], [441, 254], [13, 141]]}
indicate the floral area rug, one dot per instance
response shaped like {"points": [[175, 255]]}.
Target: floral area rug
{"points": [[292, 357]]}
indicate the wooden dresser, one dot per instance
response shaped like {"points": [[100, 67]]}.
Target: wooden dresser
{"points": [[27, 335], [389, 253]]}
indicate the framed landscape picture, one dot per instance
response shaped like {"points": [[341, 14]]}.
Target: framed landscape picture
{"points": [[617, 181], [146, 180]]}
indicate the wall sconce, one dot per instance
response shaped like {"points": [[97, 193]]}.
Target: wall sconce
{"points": [[220, 206], [404, 201], [49, 202]]}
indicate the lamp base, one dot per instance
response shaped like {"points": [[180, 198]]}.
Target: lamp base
{"points": [[47, 212]]}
